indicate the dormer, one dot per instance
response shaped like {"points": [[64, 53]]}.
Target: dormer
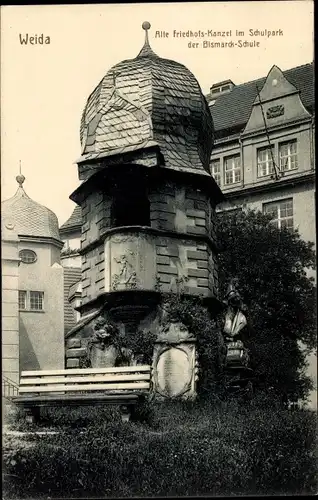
{"points": [[221, 88]]}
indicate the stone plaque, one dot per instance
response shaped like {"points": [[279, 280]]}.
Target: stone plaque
{"points": [[174, 372]]}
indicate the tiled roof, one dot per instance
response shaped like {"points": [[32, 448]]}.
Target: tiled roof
{"points": [[73, 222], [71, 276], [30, 218], [149, 99], [232, 110]]}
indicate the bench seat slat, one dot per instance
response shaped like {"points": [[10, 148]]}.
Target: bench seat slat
{"points": [[84, 387], [85, 379], [62, 399], [86, 371]]}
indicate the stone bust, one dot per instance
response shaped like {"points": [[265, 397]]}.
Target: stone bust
{"points": [[235, 315]]}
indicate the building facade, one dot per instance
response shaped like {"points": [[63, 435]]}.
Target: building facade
{"points": [[33, 319], [263, 156]]}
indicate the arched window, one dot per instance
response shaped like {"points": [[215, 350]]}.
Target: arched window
{"points": [[27, 256]]}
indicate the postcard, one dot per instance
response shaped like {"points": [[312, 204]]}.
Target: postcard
{"points": [[158, 249]]}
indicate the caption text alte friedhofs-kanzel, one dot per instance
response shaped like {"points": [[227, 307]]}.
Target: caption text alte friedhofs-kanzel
{"points": [[267, 33]]}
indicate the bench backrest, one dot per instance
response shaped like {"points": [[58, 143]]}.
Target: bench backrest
{"points": [[129, 378]]}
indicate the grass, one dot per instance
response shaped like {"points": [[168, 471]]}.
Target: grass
{"points": [[174, 449]]}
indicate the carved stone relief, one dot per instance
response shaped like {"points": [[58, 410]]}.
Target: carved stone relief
{"points": [[275, 111], [127, 274]]}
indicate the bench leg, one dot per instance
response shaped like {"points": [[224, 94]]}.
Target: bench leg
{"points": [[29, 417], [32, 415], [125, 412]]}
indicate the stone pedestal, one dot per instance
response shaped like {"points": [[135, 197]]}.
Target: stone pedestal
{"points": [[238, 374], [103, 358]]}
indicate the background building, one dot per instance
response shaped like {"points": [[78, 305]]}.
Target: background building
{"points": [[70, 233], [32, 288], [263, 155]]}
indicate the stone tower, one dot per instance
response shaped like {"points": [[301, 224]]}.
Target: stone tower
{"points": [[147, 196]]}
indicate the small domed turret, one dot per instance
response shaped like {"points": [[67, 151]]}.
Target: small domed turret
{"points": [[30, 218]]}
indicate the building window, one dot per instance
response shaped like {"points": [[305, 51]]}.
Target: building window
{"points": [[27, 256], [36, 301], [22, 299], [232, 169], [281, 212], [216, 171], [265, 164], [288, 155], [31, 301]]}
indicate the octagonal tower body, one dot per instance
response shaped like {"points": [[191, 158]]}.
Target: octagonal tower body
{"points": [[147, 197]]}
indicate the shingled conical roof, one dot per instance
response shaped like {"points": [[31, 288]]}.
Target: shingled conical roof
{"points": [[29, 217], [149, 101]]}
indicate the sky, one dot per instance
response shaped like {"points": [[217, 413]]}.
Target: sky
{"points": [[44, 87]]}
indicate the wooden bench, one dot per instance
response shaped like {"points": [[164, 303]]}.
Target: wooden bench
{"points": [[123, 386]]}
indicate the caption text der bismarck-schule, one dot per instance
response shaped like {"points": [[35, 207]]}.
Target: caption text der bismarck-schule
{"points": [[220, 39]]}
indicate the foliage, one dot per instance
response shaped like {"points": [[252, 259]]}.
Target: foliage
{"points": [[140, 343], [210, 344], [190, 449], [271, 267], [63, 417]]}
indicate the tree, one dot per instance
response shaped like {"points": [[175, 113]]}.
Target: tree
{"points": [[271, 267]]}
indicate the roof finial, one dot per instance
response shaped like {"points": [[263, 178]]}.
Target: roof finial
{"points": [[146, 26], [146, 51], [20, 178]]}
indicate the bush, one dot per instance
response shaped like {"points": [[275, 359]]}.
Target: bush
{"points": [[188, 449]]}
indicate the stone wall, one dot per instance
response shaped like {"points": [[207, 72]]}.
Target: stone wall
{"points": [[9, 302], [182, 209], [93, 273], [189, 261], [121, 260], [95, 217], [75, 349]]}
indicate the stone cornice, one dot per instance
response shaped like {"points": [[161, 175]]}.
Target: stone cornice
{"points": [[198, 178], [151, 231], [241, 135], [273, 99], [118, 298], [41, 239], [271, 185], [275, 128]]}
